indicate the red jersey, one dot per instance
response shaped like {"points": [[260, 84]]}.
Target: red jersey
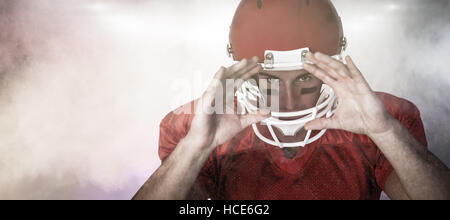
{"points": [[340, 165]]}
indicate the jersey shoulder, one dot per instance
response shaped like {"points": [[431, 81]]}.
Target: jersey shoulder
{"points": [[173, 128], [398, 107], [179, 119]]}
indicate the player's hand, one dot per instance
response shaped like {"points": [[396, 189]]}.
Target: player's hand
{"points": [[210, 128], [359, 109]]}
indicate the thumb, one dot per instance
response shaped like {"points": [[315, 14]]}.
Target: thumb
{"points": [[253, 118], [321, 123]]}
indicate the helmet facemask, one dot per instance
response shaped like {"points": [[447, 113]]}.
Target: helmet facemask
{"points": [[250, 99]]}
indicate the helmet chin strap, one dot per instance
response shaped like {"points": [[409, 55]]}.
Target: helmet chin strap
{"points": [[287, 130]]}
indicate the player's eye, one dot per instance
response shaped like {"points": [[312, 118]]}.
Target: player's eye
{"points": [[305, 78]]}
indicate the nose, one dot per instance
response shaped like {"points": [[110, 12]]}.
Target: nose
{"points": [[289, 98]]}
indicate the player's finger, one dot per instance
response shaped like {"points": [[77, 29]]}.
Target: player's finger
{"points": [[209, 95], [252, 63], [319, 73], [352, 67], [332, 72], [238, 65], [248, 75], [338, 66], [329, 70], [218, 77], [239, 81], [249, 119], [220, 73], [322, 123], [236, 68]]}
